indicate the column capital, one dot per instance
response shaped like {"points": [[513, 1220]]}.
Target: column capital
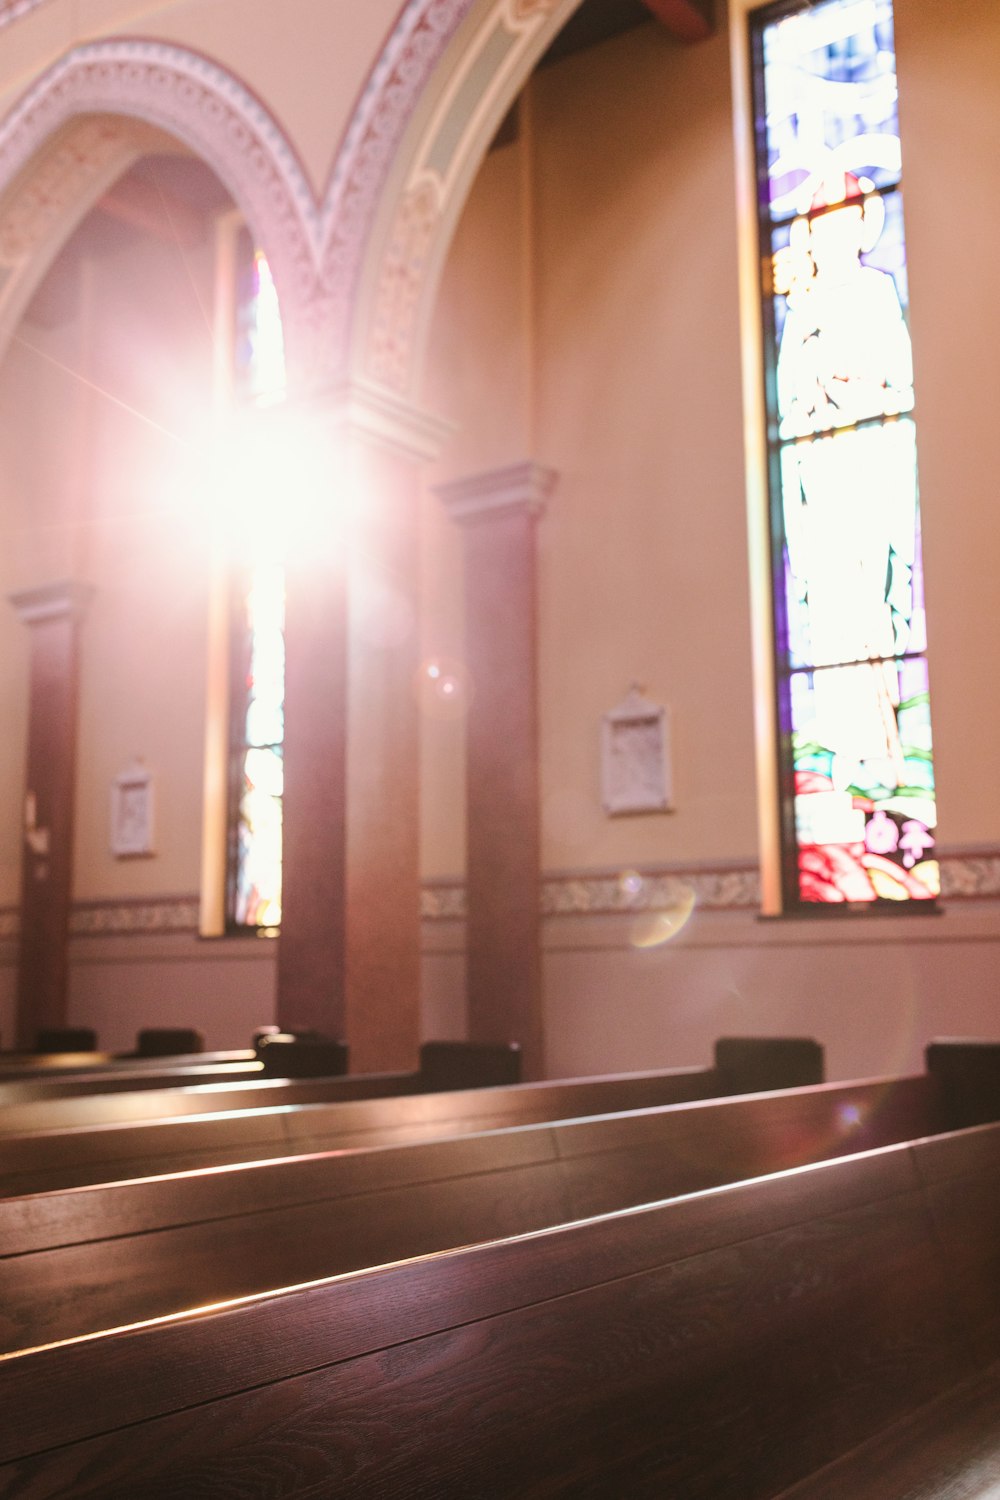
{"points": [[381, 417], [516, 488], [68, 598]]}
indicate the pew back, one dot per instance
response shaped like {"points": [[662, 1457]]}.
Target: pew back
{"points": [[293, 1121], [717, 1347], [88, 1259]]}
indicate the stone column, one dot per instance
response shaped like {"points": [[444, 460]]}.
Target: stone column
{"points": [[349, 951], [312, 956], [52, 613], [498, 512]]}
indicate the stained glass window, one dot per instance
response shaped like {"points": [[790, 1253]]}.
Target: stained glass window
{"points": [[257, 631], [857, 776]]}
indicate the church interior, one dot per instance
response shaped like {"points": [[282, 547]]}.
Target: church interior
{"points": [[400, 646]]}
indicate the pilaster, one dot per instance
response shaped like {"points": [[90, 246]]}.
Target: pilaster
{"points": [[498, 512], [349, 955], [52, 613]]}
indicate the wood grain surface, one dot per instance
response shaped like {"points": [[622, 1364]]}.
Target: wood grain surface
{"points": [[94, 1259], [725, 1345]]}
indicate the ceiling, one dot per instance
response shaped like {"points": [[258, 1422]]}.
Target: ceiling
{"points": [[595, 21]]}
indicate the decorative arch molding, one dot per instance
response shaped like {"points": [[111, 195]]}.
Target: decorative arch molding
{"points": [[356, 272], [47, 203], [447, 76], [90, 109], [13, 10]]}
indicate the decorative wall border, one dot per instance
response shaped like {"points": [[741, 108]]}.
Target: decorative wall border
{"points": [[160, 914], [13, 10], [968, 875]]}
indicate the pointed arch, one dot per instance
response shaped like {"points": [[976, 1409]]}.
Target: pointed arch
{"points": [[103, 104]]}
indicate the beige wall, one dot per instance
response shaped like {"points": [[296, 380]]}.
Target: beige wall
{"points": [[146, 551], [950, 108], [872, 991], [41, 422], [627, 383]]}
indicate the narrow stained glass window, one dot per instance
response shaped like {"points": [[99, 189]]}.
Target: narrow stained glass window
{"points": [[258, 655], [854, 723]]}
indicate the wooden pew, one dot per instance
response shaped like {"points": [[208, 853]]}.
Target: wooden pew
{"points": [[443, 1065], [315, 1071], [228, 1125], [84, 1260], [55, 1067], [722, 1346], [123, 1077]]}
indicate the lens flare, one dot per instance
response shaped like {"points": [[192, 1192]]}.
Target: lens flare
{"points": [[654, 928], [849, 1117], [444, 688], [383, 616]]}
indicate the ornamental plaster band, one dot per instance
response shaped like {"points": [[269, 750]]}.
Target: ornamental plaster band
{"points": [[47, 204], [967, 878]]}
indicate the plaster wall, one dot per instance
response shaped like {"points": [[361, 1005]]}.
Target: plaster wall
{"points": [[40, 416], [613, 358], [949, 109], [146, 549]]}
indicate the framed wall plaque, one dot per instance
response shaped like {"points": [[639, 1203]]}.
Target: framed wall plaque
{"points": [[635, 757], [132, 813]]}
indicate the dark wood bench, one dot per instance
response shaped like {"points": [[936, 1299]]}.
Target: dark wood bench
{"points": [[721, 1346], [443, 1065], [123, 1077], [55, 1067], [309, 1071], [305, 1071], [78, 1262], [236, 1124]]}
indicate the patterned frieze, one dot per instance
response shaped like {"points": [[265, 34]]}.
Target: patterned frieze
{"points": [[158, 914], [964, 877]]}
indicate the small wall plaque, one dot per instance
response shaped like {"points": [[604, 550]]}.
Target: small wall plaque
{"points": [[635, 757], [132, 812]]}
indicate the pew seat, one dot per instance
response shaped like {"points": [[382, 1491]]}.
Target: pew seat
{"points": [[947, 1449]]}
